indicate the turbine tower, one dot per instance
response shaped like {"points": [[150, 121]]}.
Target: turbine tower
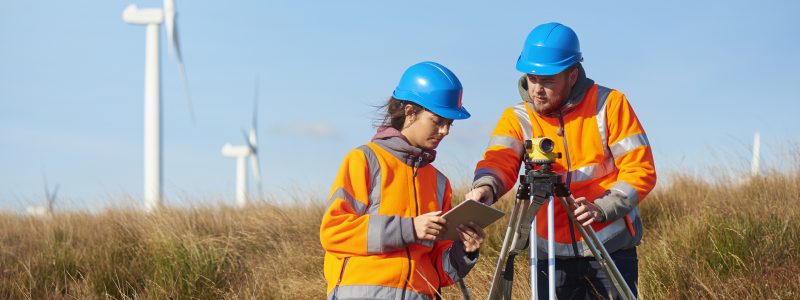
{"points": [[241, 153], [152, 19], [756, 162]]}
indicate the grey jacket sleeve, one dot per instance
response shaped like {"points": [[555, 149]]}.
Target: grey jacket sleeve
{"points": [[615, 204], [458, 263]]}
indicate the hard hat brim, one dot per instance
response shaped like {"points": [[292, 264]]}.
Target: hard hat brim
{"points": [[454, 113], [449, 113]]}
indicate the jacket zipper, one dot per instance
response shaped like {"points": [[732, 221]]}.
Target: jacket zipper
{"points": [[414, 169], [341, 275], [568, 176]]}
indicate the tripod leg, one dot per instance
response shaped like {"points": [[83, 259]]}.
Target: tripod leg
{"points": [[534, 261], [465, 293], [599, 251], [509, 239], [551, 249]]}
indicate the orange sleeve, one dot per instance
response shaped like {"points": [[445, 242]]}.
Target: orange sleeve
{"points": [[501, 161], [343, 231], [630, 147]]}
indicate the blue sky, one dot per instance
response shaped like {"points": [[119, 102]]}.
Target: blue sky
{"points": [[703, 76]]}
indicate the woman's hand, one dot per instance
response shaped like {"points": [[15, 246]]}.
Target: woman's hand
{"points": [[429, 226], [472, 235]]}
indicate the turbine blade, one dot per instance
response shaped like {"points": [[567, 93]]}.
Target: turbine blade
{"points": [[185, 80], [47, 194], [253, 140], [256, 167], [175, 40], [247, 140], [52, 197], [169, 21]]}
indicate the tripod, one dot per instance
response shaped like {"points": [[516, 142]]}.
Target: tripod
{"points": [[537, 185]]}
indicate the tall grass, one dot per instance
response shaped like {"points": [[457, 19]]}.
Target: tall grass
{"points": [[723, 239]]}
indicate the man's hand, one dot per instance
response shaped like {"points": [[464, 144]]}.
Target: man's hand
{"points": [[428, 226], [482, 194], [472, 235], [586, 212]]}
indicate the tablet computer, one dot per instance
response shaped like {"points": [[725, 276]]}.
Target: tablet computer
{"points": [[469, 210]]}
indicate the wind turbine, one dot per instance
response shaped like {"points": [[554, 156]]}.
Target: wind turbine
{"points": [[47, 209], [241, 153], [756, 162], [152, 18]]}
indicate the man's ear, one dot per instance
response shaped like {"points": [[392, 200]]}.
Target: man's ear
{"points": [[523, 82], [573, 76]]}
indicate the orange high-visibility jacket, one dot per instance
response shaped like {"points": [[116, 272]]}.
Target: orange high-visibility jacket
{"points": [[367, 232], [605, 150]]}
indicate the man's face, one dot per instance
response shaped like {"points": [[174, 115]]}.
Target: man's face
{"points": [[548, 92]]}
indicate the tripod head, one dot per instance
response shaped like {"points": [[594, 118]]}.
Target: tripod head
{"points": [[539, 176]]}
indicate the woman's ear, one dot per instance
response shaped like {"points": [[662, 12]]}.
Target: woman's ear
{"points": [[410, 113]]}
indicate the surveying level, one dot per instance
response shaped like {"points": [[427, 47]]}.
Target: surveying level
{"points": [[539, 184], [540, 150]]}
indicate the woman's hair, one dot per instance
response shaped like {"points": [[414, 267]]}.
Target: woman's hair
{"points": [[394, 113]]}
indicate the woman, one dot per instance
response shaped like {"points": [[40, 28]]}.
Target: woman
{"points": [[380, 230]]}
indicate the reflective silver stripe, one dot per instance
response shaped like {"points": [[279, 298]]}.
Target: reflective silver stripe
{"points": [[627, 189], [345, 292], [506, 141], [375, 179], [565, 249], [591, 172], [441, 188], [358, 206], [384, 233], [602, 125], [489, 172], [449, 268], [629, 143], [612, 231], [524, 120]]}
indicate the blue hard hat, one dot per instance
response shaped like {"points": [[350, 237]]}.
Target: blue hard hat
{"points": [[549, 49], [433, 87]]}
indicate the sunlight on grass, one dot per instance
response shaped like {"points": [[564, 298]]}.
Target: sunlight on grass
{"points": [[719, 238]]}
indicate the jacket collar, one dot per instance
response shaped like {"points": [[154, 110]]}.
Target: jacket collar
{"points": [[575, 95], [393, 141]]}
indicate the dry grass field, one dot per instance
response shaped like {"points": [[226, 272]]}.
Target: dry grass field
{"points": [[725, 239]]}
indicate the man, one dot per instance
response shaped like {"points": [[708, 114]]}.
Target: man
{"points": [[606, 162]]}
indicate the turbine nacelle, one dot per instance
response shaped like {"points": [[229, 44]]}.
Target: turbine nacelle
{"points": [[242, 152], [235, 151], [145, 16]]}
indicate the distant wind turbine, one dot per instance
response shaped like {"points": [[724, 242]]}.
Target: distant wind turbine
{"points": [[50, 198], [241, 153], [152, 18]]}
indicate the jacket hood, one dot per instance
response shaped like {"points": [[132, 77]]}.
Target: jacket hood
{"points": [[396, 143], [575, 95]]}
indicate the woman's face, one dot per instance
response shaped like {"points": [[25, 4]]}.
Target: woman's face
{"points": [[425, 129]]}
